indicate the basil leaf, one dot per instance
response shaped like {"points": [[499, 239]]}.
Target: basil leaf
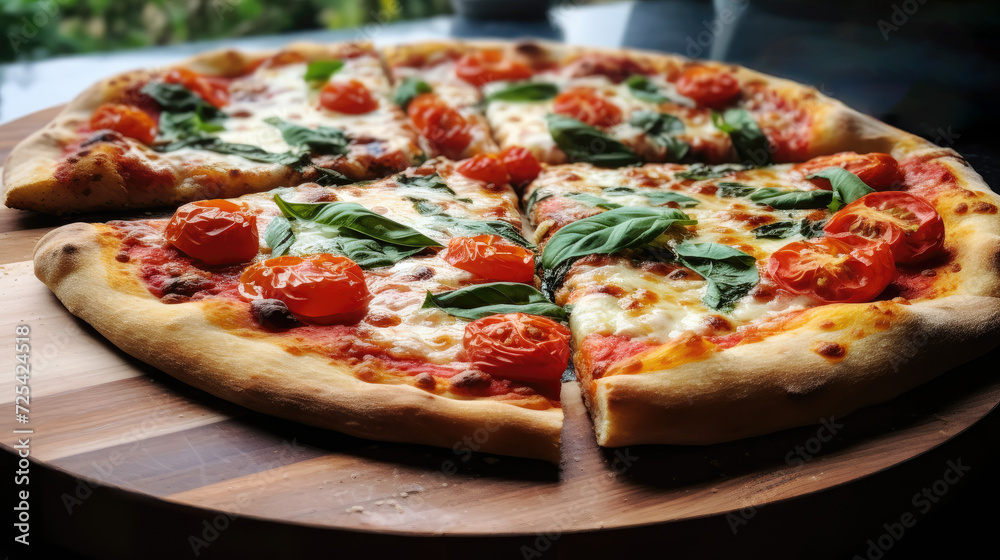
{"points": [[847, 187], [535, 197], [321, 140], [294, 158], [582, 142], [524, 92], [792, 200], [481, 300], [734, 190], [592, 201], [331, 177], [186, 117], [410, 88], [488, 227], [279, 236], [749, 141], [175, 98], [321, 70], [553, 278], [730, 273], [354, 217], [655, 197], [370, 253], [783, 230], [661, 128], [610, 232], [432, 182], [641, 88], [618, 191], [700, 171], [425, 207]]}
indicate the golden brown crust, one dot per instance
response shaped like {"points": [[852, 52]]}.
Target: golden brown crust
{"points": [[180, 340]]}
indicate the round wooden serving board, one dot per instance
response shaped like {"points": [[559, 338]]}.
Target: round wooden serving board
{"points": [[102, 417]]}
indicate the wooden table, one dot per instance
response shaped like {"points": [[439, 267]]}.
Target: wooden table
{"points": [[128, 461]]}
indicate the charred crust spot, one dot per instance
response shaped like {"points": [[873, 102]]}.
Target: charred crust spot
{"points": [[425, 381], [961, 208], [420, 273], [955, 267], [234, 172], [831, 350], [471, 381], [827, 325], [104, 135], [530, 50], [122, 257], [70, 249], [984, 208], [186, 285], [273, 314], [96, 177]]}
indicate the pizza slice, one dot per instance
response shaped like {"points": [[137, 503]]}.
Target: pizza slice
{"points": [[397, 310], [709, 304], [221, 124]]}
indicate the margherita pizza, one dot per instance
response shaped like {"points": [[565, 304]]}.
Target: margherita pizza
{"points": [[430, 234]]}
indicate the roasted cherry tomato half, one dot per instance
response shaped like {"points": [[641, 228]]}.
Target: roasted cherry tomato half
{"points": [[879, 171], [125, 120], [322, 288], [351, 97], [518, 346], [487, 66], [912, 227], [587, 105], [214, 232], [707, 86], [491, 257], [521, 164], [445, 128], [484, 167], [834, 269], [211, 89]]}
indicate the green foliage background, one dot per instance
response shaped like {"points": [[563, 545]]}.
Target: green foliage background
{"points": [[43, 28]]}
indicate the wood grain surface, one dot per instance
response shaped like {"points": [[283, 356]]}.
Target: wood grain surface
{"points": [[100, 416]]}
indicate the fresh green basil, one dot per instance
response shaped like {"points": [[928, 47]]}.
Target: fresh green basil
{"points": [[319, 71], [524, 92], [582, 142], [610, 232], [655, 197], [847, 187], [641, 88], [727, 189], [592, 200], [331, 177], [175, 98], [487, 227], [534, 198], [319, 140], [346, 228], [749, 141], [783, 230], [425, 207], [408, 89], [782, 199], [431, 182], [661, 128], [186, 119], [700, 171], [553, 278], [730, 273], [481, 300]]}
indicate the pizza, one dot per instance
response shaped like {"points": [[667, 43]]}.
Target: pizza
{"points": [[442, 233]]}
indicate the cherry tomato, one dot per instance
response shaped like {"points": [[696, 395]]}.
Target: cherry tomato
{"points": [[586, 105], [518, 346], [491, 257], [322, 288], [707, 86], [125, 120], [879, 171], [834, 269], [911, 226], [521, 164], [214, 232], [211, 89], [486, 66], [443, 126], [351, 97], [484, 167]]}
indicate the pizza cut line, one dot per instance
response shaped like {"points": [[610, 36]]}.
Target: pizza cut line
{"points": [[430, 232]]}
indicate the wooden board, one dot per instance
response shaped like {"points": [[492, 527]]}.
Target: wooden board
{"points": [[100, 415]]}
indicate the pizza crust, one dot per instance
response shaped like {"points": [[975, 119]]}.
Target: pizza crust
{"points": [[259, 375]]}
